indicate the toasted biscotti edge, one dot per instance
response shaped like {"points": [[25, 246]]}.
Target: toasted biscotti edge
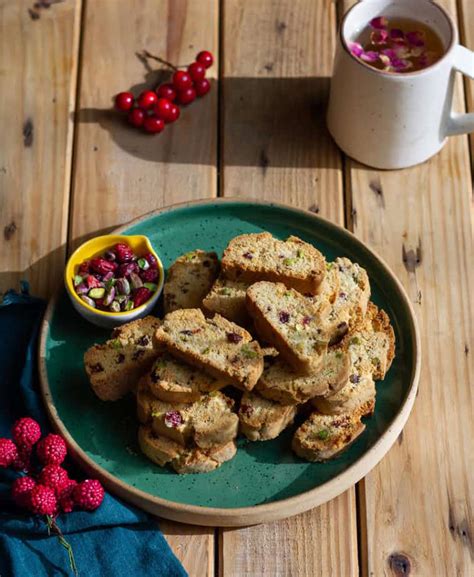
{"points": [[262, 419]]}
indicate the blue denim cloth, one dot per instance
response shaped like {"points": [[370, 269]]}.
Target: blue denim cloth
{"points": [[113, 541]]}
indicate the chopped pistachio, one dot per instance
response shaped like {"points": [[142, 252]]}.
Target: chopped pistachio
{"points": [[248, 352], [77, 280], [289, 261], [323, 434], [206, 351], [116, 344], [355, 341], [97, 293], [225, 291]]}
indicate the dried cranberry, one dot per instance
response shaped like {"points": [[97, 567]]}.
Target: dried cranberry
{"points": [[284, 316], [246, 410], [354, 379], [123, 251], [173, 419], [149, 275], [248, 255], [307, 320], [151, 259], [343, 295], [234, 337], [127, 268], [141, 295], [84, 268], [102, 266], [92, 281]]}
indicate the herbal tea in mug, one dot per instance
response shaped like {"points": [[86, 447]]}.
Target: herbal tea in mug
{"points": [[397, 45]]}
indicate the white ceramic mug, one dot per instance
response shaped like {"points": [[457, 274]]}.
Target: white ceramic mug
{"points": [[390, 120]]}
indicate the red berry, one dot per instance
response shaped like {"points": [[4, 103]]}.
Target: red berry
{"points": [[88, 495], [186, 96], [53, 476], [51, 450], [102, 266], [197, 71], [43, 500], [92, 281], [66, 500], [153, 125], [21, 491], [149, 275], [84, 268], [23, 461], [167, 91], [147, 99], [124, 252], [8, 452], [182, 80], [26, 432], [136, 117], [124, 101], [163, 108], [140, 296], [174, 114], [202, 87], [205, 58]]}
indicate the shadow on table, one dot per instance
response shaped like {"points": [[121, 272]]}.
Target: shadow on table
{"points": [[263, 122]]}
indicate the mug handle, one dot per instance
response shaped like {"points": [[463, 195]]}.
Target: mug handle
{"points": [[464, 63]]}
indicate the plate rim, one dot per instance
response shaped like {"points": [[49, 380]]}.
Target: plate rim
{"points": [[241, 516]]}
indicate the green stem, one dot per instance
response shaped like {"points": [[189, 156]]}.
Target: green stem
{"points": [[52, 526]]}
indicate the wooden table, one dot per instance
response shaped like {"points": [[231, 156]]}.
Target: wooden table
{"points": [[69, 169]]}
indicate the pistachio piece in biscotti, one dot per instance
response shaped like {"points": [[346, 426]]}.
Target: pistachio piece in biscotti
{"points": [[217, 346], [189, 279], [262, 419], [254, 257], [287, 320], [357, 396], [227, 297]]}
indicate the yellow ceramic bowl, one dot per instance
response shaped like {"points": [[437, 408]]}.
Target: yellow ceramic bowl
{"points": [[94, 248]]}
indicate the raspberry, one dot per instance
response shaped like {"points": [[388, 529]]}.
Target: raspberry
{"points": [[43, 500], [66, 500], [8, 452], [21, 491], [26, 432], [51, 450], [23, 461], [53, 476], [123, 251], [89, 494]]}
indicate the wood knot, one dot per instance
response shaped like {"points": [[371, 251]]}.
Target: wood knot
{"points": [[9, 230], [412, 259], [263, 161], [399, 564], [268, 67], [314, 208], [376, 187], [280, 26], [28, 133]]}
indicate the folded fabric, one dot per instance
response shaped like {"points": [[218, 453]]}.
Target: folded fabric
{"points": [[116, 539]]}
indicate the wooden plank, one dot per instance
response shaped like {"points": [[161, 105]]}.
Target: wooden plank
{"points": [[277, 60], [38, 63], [466, 33], [120, 173], [418, 500]]}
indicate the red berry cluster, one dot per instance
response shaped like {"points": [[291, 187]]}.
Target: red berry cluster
{"points": [[153, 109], [49, 490]]}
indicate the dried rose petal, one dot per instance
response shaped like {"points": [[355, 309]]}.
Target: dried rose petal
{"points": [[397, 35], [390, 53], [173, 419], [379, 23], [355, 48], [417, 52], [427, 59], [369, 56], [402, 52], [401, 65], [385, 60], [378, 37], [416, 38]]}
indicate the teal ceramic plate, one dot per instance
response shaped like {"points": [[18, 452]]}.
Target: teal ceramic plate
{"points": [[265, 480]]}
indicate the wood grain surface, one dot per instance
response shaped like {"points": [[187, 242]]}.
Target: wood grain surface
{"points": [[120, 173], [277, 58], [38, 63], [417, 503]]}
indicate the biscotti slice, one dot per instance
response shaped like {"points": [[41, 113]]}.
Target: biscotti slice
{"points": [[174, 381], [115, 367], [163, 451], [227, 297], [207, 422], [189, 279], [147, 403], [279, 382], [350, 305], [254, 257], [261, 419], [322, 437], [287, 320], [372, 344], [219, 347], [356, 397]]}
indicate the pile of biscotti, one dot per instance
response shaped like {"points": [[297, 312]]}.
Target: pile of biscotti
{"points": [[294, 335]]}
